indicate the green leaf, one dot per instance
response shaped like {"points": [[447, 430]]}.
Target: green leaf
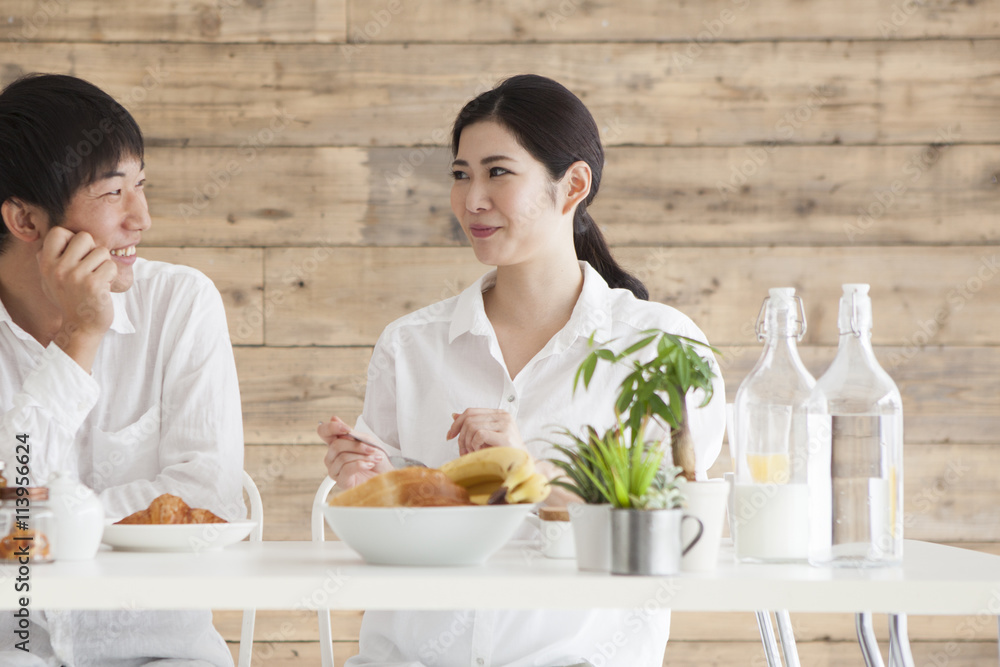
{"points": [[632, 349]]}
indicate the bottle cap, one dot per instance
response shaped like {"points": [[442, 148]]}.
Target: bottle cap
{"points": [[855, 315], [783, 312], [782, 294]]}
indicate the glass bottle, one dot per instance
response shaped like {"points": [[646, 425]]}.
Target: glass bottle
{"points": [[770, 504], [27, 524], [856, 457]]}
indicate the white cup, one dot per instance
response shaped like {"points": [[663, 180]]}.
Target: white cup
{"points": [[555, 533], [707, 500]]}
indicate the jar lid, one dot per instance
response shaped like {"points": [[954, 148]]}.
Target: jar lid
{"points": [[33, 492], [553, 514]]}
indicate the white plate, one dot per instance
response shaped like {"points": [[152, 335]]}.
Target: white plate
{"points": [[441, 536], [180, 537]]}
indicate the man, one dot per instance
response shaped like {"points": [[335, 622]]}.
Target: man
{"points": [[113, 369]]}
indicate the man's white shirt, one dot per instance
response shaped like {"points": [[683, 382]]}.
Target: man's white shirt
{"points": [[159, 414]]}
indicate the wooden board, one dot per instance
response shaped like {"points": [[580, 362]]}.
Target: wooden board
{"points": [[744, 196], [547, 21], [286, 391], [237, 273], [949, 394], [719, 288], [695, 26], [403, 94], [949, 490], [173, 21], [688, 654]]}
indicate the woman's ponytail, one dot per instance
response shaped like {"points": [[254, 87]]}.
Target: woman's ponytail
{"points": [[593, 249]]}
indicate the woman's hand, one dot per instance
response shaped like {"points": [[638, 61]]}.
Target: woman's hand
{"points": [[349, 462], [477, 428]]}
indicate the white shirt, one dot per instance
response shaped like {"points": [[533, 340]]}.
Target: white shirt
{"points": [[445, 358], [160, 414]]}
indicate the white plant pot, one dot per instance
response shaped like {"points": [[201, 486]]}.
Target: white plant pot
{"points": [[592, 536], [707, 501]]}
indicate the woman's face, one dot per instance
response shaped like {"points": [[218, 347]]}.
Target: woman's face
{"points": [[504, 199]]}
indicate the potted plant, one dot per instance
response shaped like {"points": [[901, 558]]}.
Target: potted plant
{"points": [[583, 465], [622, 477], [672, 371], [663, 368]]}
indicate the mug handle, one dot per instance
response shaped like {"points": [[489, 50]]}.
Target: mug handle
{"points": [[701, 529]]}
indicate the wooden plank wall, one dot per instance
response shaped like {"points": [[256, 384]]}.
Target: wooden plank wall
{"points": [[296, 155]]}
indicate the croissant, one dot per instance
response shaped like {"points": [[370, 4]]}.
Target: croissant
{"points": [[169, 509]]}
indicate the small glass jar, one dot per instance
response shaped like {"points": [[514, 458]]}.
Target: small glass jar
{"points": [[27, 524]]}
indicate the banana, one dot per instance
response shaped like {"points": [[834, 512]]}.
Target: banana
{"points": [[486, 471], [480, 494], [535, 489]]}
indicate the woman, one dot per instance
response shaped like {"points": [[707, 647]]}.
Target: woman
{"points": [[494, 366]]}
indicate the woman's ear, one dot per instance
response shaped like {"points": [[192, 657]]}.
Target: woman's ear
{"points": [[576, 184], [24, 221]]}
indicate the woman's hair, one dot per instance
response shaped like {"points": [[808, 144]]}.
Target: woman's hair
{"points": [[59, 133], [555, 127]]}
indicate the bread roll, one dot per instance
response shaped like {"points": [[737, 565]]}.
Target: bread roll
{"points": [[406, 487]]}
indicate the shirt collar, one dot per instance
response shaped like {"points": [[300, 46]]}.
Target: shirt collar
{"points": [[592, 313], [470, 312]]}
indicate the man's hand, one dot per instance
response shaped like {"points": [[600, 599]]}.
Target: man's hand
{"points": [[76, 277], [477, 428]]}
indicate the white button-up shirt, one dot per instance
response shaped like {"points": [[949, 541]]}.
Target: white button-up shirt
{"points": [[445, 358], [160, 414]]}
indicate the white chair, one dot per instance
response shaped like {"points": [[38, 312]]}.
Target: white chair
{"points": [[249, 615], [317, 523]]}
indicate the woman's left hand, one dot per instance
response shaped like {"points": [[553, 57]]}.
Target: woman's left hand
{"points": [[477, 428]]}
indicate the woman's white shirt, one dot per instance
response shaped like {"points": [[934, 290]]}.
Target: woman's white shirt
{"points": [[445, 358]]}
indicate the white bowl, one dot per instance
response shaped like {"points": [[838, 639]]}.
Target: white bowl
{"points": [[441, 536]]}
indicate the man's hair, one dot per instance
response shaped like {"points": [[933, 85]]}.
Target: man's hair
{"points": [[57, 134]]}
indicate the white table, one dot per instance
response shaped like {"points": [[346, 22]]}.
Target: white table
{"points": [[934, 579]]}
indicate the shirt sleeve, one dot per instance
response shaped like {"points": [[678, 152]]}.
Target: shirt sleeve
{"points": [[378, 416], [200, 446], [45, 416]]}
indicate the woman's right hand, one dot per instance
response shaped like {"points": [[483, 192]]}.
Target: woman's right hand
{"points": [[349, 462]]}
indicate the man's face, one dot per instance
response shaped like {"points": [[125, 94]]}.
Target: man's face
{"points": [[113, 210]]}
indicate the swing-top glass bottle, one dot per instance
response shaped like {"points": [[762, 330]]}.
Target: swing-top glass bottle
{"points": [[856, 450]]}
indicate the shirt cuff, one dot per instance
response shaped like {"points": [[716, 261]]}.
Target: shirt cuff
{"points": [[62, 388]]}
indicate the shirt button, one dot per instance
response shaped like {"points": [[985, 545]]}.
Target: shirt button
{"points": [[510, 399]]}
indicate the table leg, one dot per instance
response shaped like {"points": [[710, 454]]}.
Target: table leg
{"points": [[899, 642], [866, 638], [788, 648], [767, 638]]}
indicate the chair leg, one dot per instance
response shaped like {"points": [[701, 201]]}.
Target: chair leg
{"points": [[325, 638], [246, 637], [767, 638], [867, 640]]}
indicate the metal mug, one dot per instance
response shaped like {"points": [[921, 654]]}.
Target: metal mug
{"points": [[648, 542]]}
